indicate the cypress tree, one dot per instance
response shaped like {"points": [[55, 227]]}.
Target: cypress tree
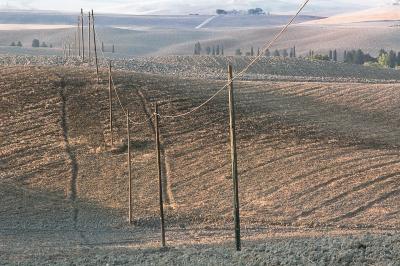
{"points": [[398, 59], [252, 51], [222, 49], [335, 55], [392, 59], [359, 57], [238, 52]]}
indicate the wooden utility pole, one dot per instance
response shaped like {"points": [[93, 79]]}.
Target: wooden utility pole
{"points": [[83, 37], [160, 185], [95, 48], [75, 45], [89, 29], [110, 103], [129, 167], [232, 131], [79, 36]]}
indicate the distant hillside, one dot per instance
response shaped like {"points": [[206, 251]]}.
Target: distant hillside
{"points": [[175, 22], [389, 13], [156, 42]]}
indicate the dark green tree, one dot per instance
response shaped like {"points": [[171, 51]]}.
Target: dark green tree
{"points": [[359, 57], [392, 59], [276, 53], [252, 51], [19, 44], [335, 55], [12, 44], [238, 52], [35, 43], [398, 58], [197, 48], [285, 53]]}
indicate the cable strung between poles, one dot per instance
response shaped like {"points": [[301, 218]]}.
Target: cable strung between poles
{"points": [[240, 74]]}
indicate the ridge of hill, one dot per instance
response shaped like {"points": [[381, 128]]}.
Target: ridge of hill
{"points": [[387, 13]]}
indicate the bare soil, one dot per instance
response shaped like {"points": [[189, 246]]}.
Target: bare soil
{"points": [[319, 171]]}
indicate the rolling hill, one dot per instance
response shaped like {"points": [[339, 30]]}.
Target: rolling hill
{"points": [[387, 13]]}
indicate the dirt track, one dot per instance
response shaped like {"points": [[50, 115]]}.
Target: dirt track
{"points": [[314, 158]]}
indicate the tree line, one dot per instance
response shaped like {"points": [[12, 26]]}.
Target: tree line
{"points": [[385, 58], [389, 59], [209, 50], [19, 44], [36, 43]]}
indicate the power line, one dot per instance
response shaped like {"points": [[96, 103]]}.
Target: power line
{"points": [[266, 47], [240, 74]]}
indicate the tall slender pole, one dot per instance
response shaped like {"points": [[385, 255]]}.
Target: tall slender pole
{"points": [[110, 103], [95, 47], [160, 185], [129, 168], [89, 29], [232, 130], [75, 45], [83, 37], [79, 36]]}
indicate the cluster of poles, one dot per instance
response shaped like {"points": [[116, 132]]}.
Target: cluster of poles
{"points": [[156, 117], [77, 48]]}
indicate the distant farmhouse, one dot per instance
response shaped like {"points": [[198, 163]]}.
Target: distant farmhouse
{"points": [[254, 11]]}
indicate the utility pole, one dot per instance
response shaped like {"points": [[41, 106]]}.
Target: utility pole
{"points": [[129, 168], [160, 185], [95, 48], [89, 35], [110, 103], [79, 36], [232, 130], [83, 37]]}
